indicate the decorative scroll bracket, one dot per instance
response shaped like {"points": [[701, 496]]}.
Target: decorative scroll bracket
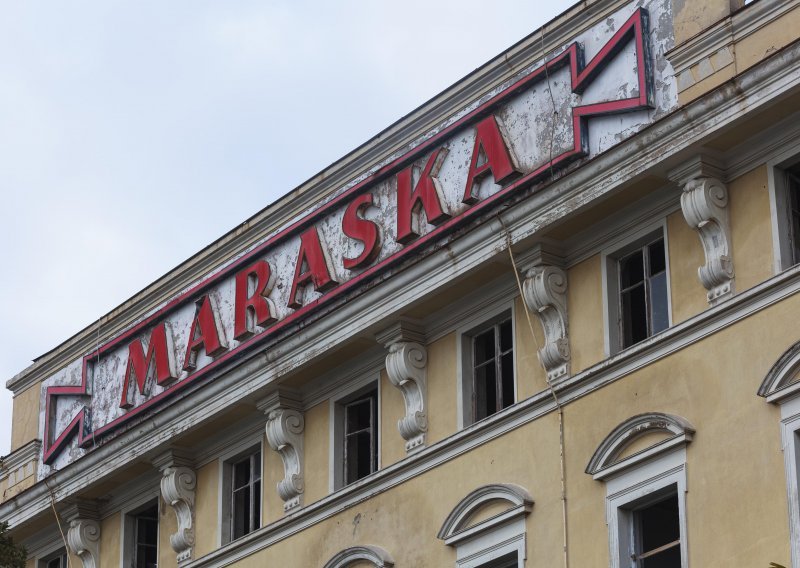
{"points": [[83, 535], [406, 366], [178, 483], [545, 294], [285, 426], [704, 202]]}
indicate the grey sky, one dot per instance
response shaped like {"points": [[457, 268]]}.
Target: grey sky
{"points": [[134, 133]]}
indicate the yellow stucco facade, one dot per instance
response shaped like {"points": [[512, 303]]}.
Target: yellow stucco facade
{"points": [[369, 442]]}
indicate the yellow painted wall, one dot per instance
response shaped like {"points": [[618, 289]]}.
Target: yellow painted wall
{"points": [[25, 426], [316, 443], [272, 504], [767, 40], [207, 505], [751, 228], [529, 373], [688, 296], [110, 534], [392, 446], [167, 525], [585, 313], [691, 17], [442, 389]]}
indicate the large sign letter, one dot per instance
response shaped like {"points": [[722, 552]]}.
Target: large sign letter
{"points": [[490, 155], [425, 196], [206, 333], [312, 267], [253, 308], [355, 226], [160, 353]]}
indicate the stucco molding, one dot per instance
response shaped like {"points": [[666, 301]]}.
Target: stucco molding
{"points": [[83, 534], [407, 369], [704, 203], [605, 462], [545, 293], [285, 434], [456, 526], [375, 555], [780, 383], [178, 485]]}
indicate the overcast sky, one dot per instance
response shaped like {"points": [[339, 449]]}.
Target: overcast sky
{"points": [[132, 134]]}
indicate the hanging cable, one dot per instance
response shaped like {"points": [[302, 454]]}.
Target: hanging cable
{"points": [[559, 409], [58, 520]]}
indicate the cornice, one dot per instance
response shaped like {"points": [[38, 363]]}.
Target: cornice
{"points": [[392, 141]]}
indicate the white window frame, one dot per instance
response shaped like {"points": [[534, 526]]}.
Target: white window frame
{"points": [[58, 551], [336, 426], [480, 320], [128, 528], [244, 448], [779, 205], [790, 438], [630, 487], [609, 266]]}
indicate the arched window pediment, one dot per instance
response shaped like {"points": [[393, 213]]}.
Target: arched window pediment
{"points": [[374, 554], [780, 382], [606, 459], [457, 526]]}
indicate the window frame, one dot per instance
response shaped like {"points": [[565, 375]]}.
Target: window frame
{"points": [[630, 489], [492, 315], [245, 448], [613, 339], [128, 521], [780, 207], [790, 438], [349, 394], [58, 553]]}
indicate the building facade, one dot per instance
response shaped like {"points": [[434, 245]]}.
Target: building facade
{"points": [[546, 319]]}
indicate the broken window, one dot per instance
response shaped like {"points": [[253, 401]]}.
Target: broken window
{"points": [[245, 499], [492, 369], [146, 537], [657, 534], [360, 444], [643, 299]]}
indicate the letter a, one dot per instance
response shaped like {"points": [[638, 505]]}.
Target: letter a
{"points": [[490, 155]]}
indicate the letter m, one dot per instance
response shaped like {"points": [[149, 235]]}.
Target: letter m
{"points": [[160, 358]]}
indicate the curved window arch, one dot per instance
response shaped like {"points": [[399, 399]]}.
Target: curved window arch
{"points": [[781, 387], [499, 538], [644, 486], [605, 461], [374, 554]]}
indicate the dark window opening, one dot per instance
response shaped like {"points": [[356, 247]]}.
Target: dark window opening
{"points": [[59, 561], [510, 560], [492, 370], [146, 538], [360, 437], [658, 539], [246, 495], [643, 293], [793, 187]]}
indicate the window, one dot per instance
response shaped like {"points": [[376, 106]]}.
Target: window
{"points": [[793, 211], [241, 493], [645, 491], [56, 560], [360, 440], [145, 537], [355, 435], [488, 368], [496, 542], [636, 277]]}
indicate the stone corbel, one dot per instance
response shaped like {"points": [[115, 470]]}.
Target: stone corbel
{"points": [[406, 366], [545, 294], [704, 202], [178, 483], [83, 535], [285, 425]]}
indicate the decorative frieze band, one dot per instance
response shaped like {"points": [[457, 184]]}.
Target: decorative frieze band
{"points": [[83, 535], [406, 367], [285, 425], [178, 484], [545, 294], [704, 202]]}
